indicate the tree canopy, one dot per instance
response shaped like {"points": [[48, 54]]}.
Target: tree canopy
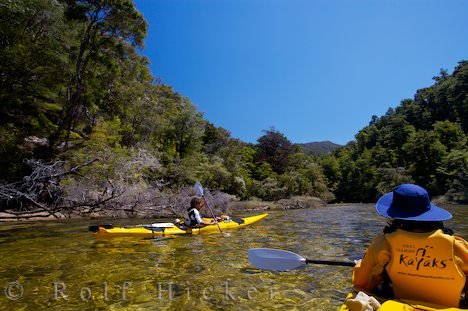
{"points": [[74, 90], [412, 143]]}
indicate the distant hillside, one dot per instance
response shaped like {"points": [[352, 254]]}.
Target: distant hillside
{"points": [[319, 148]]}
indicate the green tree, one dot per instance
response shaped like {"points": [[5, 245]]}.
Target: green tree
{"points": [[215, 138], [388, 178], [424, 152], [332, 171], [450, 134], [31, 64], [454, 169], [187, 129], [275, 149], [103, 31]]}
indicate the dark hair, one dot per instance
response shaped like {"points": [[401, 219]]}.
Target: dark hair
{"points": [[196, 202], [411, 225]]}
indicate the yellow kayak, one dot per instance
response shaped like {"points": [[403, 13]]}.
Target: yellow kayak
{"points": [[403, 305], [165, 229]]}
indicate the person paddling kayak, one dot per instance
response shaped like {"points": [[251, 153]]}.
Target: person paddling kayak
{"points": [[194, 219], [415, 254]]}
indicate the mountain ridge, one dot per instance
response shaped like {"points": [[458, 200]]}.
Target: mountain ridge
{"points": [[319, 147]]}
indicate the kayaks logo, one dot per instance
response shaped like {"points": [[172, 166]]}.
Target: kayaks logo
{"points": [[420, 258]]}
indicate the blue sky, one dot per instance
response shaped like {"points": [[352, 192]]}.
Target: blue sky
{"points": [[314, 70]]}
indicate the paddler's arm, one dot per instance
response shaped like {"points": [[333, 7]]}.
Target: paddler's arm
{"points": [[200, 220], [212, 222], [209, 221], [368, 272], [460, 250], [461, 253]]}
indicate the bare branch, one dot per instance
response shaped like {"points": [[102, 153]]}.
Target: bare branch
{"points": [[40, 191]]}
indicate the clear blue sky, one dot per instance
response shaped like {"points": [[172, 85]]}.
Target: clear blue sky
{"points": [[314, 70]]}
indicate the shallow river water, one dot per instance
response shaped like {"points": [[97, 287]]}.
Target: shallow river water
{"points": [[62, 266]]}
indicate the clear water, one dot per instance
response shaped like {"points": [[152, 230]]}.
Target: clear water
{"points": [[62, 266]]}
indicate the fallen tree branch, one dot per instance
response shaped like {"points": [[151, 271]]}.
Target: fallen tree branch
{"points": [[40, 191]]}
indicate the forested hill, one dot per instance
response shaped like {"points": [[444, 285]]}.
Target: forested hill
{"points": [[84, 127], [319, 148], [423, 140]]}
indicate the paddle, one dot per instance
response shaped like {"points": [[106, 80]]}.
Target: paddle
{"points": [[96, 227], [237, 219], [147, 226], [280, 260], [199, 190]]}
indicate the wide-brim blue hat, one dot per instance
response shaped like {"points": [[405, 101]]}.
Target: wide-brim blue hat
{"points": [[410, 202]]}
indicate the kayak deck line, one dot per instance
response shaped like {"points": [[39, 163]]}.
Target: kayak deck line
{"points": [[157, 230]]}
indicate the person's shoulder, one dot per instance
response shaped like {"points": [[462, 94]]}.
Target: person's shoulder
{"points": [[461, 247], [460, 240], [379, 239], [379, 236]]}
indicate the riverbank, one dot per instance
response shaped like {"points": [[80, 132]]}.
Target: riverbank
{"points": [[298, 202], [231, 207]]}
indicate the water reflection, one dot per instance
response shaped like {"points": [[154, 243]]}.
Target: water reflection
{"points": [[62, 266]]}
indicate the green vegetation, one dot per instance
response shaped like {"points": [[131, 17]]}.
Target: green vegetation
{"points": [[76, 95], [423, 141], [319, 148]]}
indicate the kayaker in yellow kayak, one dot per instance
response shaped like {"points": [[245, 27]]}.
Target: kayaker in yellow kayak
{"points": [[415, 254], [194, 219]]}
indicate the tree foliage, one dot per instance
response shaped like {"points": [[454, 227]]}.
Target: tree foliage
{"points": [[74, 90], [423, 141], [275, 149]]}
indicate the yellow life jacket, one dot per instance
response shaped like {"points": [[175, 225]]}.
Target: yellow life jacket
{"points": [[423, 268]]}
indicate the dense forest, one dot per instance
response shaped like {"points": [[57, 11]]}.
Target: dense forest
{"points": [[85, 126], [422, 141]]}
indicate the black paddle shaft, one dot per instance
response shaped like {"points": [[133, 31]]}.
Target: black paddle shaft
{"points": [[331, 263], [96, 227]]}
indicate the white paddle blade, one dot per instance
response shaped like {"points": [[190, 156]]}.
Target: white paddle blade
{"points": [[274, 259], [199, 188], [162, 225]]}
